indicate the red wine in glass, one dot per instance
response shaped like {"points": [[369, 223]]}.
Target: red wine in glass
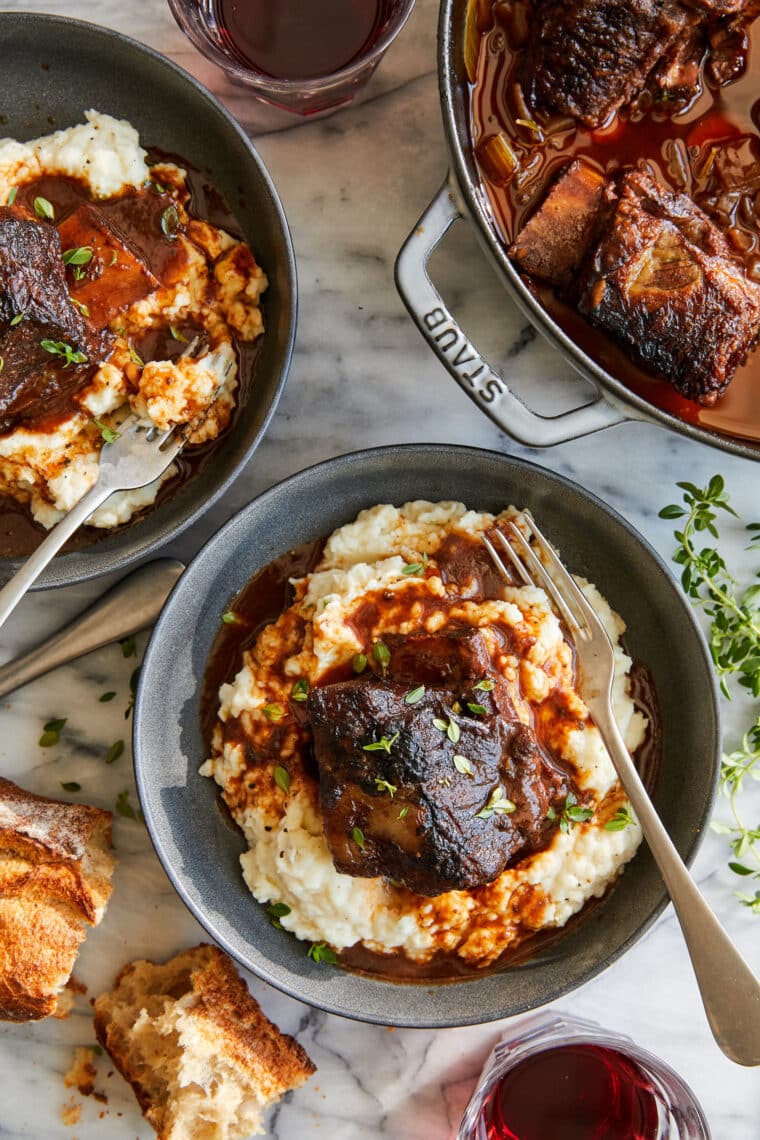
{"points": [[301, 39]]}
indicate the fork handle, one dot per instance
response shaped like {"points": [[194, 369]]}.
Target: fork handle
{"points": [[730, 990], [12, 593]]}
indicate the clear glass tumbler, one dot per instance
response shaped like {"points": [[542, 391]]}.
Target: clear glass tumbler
{"points": [[555, 1077], [202, 21]]}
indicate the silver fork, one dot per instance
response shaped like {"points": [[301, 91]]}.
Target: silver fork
{"points": [[730, 991], [138, 456]]}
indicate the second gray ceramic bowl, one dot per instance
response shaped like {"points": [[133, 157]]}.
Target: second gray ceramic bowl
{"points": [[55, 69], [199, 849]]}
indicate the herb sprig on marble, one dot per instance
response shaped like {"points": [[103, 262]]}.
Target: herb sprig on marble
{"points": [[734, 639]]}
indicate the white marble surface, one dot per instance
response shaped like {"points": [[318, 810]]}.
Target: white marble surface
{"points": [[352, 186]]}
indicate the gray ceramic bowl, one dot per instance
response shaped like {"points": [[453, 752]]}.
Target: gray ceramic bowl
{"points": [[54, 70], [200, 850]]}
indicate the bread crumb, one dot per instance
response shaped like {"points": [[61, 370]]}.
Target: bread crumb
{"points": [[82, 1073], [71, 1113]]}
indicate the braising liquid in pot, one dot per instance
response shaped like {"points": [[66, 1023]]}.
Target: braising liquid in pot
{"points": [[573, 1092], [300, 39], [679, 149]]}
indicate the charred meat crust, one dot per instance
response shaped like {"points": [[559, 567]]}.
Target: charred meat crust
{"points": [[412, 809]]}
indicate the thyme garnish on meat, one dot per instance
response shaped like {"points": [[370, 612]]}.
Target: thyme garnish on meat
{"points": [[734, 640]]}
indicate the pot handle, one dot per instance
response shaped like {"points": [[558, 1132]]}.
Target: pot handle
{"points": [[444, 335]]}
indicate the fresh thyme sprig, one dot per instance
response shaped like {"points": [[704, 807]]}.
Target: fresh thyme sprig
{"points": [[734, 645]]}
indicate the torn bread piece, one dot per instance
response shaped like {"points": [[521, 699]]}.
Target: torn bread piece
{"points": [[203, 1060], [55, 881]]}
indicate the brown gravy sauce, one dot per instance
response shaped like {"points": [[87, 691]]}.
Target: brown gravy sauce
{"points": [[676, 148], [265, 598], [137, 218]]}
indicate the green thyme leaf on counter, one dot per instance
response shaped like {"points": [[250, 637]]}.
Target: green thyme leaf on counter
{"points": [[497, 802], [274, 711], [61, 348], [128, 647], [477, 710], [110, 435], [124, 807], [282, 778], [358, 837], [620, 820], [751, 901], [300, 691], [321, 952], [463, 765], [81, 255], [404, 812], [453, 731], [382, 655], [12, 195], [440, 724], [359, 663], [104, 698], [383, 786], [170, 222], [414, 696], [52, 732], [384, 744], [97, 1050], [71, 786], [486, 685], [17, 320], [115, 751], [44, 209], [230, 618]]}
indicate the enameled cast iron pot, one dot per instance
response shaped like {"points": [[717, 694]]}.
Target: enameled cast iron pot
{"points": [[461, 197], [199, 848], [54, 69]]}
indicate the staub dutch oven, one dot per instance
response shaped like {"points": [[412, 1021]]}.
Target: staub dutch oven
{"points": [[461, 197]]}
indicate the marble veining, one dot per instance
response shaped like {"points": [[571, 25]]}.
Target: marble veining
{"points": [[353, 185]]}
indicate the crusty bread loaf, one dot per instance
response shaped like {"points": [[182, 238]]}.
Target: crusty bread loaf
{"points": [[55, 880], [202, 1058]]}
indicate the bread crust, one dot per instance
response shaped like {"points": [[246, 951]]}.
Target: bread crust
{"points": [[55, 880]]}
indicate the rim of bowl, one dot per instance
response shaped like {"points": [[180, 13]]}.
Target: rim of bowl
{"points": [[267, 972], [91, 561]]}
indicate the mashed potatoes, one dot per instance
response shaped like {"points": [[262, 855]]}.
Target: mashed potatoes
{"points": [[208, 286], [384, 564]]}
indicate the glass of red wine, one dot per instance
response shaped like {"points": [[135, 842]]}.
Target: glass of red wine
{"points": [[562, 1077], [302, 55]]}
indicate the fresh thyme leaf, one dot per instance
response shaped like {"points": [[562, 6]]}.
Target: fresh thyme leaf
{"points": [[620, 820], [413, 568], [229, 618], [134, 356], [384, 786], [128, 647], [734, 639], [321, 952], [382, 655], [115, 751], [97, 1050], [2, 364], [496, 802], [12, 195], [404, 812], [52, 732], [278, 909], [486, 685], [71, 786], [170, 222], [359, 663], [477, 710], [81, 255], [124, 807], [300, 691], [572, 813], [114, 258], [17, 320], [414, 696], [282, 778], [110, 435], [275, 711], [104, 698], [463, 765], [440, 724], [358, 837], [177, 335], [44, 209], [453, 731], [384, 744], [60, 348], [81, 306]]}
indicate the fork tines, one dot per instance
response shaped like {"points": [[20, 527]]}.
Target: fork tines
{"points": [[547, 571]]}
